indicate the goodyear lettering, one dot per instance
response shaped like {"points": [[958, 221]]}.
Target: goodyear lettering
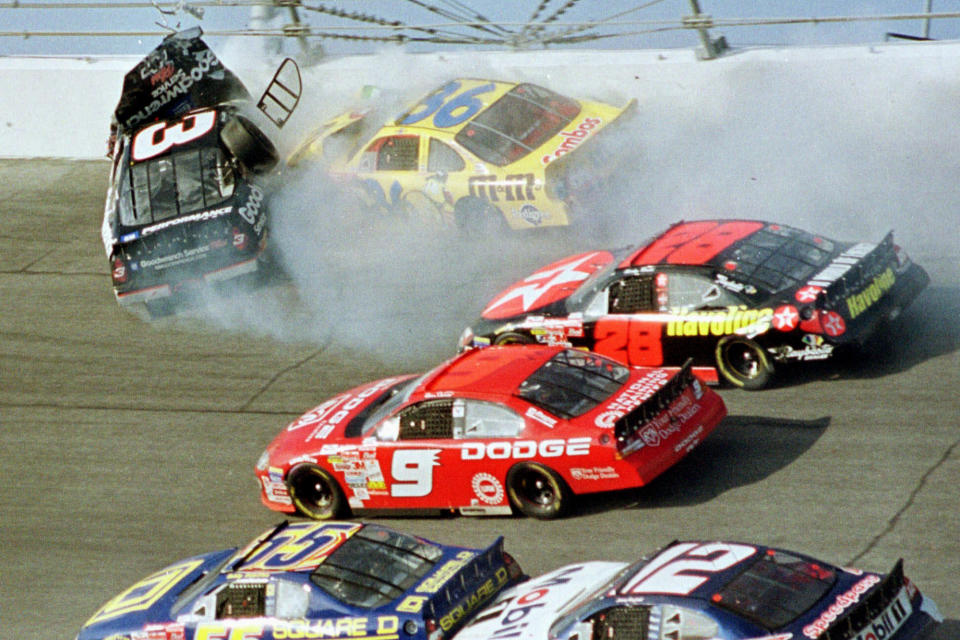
{"points": [[573, 139], [444, 573], [860, 302], [473, 601], [733, 319], [521, 449], [844, 601], [329, 628]]}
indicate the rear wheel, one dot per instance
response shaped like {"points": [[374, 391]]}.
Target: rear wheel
{"points": [[475, 216], [315, 493], [249, 145], [743, 363], [537, 491]]}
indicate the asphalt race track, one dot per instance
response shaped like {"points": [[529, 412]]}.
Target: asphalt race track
{"points": [[126, 444]]}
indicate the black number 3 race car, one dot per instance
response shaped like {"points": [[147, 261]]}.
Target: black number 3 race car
{"points": [[736, 296], [186, 196]]}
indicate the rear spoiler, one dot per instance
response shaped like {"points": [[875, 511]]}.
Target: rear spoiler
{"points": [[857, 617], [627, 429], [849, 272], [470, 588]]}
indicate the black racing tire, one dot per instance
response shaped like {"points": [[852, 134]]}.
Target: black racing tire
{"points": [[743, 363], [475, 217], [249, 145], [316, 493], [537, 491], [513, 337]]}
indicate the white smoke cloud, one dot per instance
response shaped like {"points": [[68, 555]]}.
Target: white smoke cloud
{"points": [[845, 142]]}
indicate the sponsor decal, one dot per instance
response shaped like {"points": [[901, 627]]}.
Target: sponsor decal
{"points": [[195, 217], [514, 187], [434, 581], [347, 627], [186, 255], [890, 620], [733, 319], [687, 444], [841, 264], [817, 351], [487, 488], [594, 473], [573, 139], [860, 302], [547, 285], [832, 323], [514, 613], [275, 491], [175, 84], [808, 293], [536, 414], [728, 283], [325, 419], [521, 449], [252, 212], [785, 318], [632, 397], [843, 602], [145, 593], [529, 213], [482, 594]]}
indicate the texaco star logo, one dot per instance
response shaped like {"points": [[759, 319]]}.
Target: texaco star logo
{"points": [[833, 324], [808, 293], [786, 318]]}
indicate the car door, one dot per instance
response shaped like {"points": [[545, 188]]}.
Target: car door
{"points": [[448, 453], [388, 168]]}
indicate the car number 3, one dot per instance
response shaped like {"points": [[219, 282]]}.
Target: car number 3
{"points": [[160, 137], [412, 471], [684, 567]]}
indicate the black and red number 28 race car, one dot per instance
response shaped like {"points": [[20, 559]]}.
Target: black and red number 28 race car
{"points": [[736, 296]]}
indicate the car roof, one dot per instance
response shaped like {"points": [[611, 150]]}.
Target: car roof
{"points": [[492, 371], [317, 540], [692, 243], [486, 98]]}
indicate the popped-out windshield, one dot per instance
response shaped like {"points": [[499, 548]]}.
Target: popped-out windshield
{"points": [[573, 382], [516, 124], [776, 589], [375, 566], [172, 185]]}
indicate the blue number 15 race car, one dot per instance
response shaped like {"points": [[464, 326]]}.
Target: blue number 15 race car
{"points": [[312, 580]]}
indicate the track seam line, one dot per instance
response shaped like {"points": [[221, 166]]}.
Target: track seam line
{"points": [[910, 499]]}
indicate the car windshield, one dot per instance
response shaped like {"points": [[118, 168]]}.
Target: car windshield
{"points": [[776, 589], [375, 566], [573, 382], [776, 257], [172, 185], [516, 124]]}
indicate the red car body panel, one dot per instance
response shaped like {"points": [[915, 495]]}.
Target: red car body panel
{"points": [[469, 473]]}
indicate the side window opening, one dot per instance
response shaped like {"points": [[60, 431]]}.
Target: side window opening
{"points": [[478, 419], [695, 291], [632, 294], [398, 153], [443, 157], [428, 419], [621, 623]]}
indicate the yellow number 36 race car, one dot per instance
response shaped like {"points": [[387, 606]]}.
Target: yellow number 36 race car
{"points": [[477, 154]]}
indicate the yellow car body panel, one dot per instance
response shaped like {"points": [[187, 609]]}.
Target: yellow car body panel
{"points": [[471, 150]]}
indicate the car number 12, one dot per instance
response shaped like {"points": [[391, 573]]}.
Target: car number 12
{"points": [[684, 567]]}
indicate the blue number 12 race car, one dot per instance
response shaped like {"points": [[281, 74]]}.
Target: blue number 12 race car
{"points": [[312, 580]]}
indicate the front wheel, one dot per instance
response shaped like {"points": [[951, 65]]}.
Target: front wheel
{"points": [[315, 493], [743, 363], [513, 337], [537, 491]]}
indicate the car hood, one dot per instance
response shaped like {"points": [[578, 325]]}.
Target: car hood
{"points": [[149, 601], [533, 606], [546, 286]]}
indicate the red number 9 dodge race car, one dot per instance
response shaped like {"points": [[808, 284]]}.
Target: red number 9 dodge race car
{"points": [[522, 427]]}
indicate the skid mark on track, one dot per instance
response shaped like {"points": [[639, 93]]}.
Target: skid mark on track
{"points": [[276, 376], [892, 523]]}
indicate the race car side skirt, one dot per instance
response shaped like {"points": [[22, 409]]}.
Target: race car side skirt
{"points": [[166, 290]]}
